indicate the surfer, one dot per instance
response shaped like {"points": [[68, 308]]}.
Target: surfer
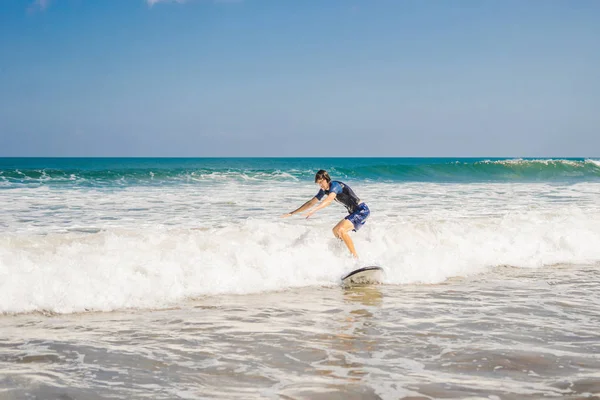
{"points": [[340, 192]]}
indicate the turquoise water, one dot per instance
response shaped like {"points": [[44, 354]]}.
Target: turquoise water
{"points": [[161, 171]]}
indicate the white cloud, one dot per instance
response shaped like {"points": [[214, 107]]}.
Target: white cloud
{"points": [[153, 2], [39, 5]]}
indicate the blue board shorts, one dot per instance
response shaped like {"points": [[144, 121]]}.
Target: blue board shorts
{"points": [[359, 216]]}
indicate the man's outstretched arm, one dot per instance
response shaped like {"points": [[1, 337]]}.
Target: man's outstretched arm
{"points": [[303, 207], [324, 204]]}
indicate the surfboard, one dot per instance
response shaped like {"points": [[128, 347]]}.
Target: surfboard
{"points": [[363, 276]]}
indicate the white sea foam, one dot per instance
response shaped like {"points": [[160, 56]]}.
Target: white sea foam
{"points": [[76, 250], [595, 162], [544, 161]]}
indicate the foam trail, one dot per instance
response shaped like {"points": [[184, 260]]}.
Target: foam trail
{"points": [[124, 268]]}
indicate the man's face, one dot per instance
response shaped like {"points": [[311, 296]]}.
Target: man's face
{"points": [[323, 184]]}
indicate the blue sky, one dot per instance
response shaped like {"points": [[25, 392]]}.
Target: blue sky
{"points": [[300, 78]]}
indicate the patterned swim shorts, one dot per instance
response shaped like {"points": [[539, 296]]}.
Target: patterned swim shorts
{"points": [[359, 216]]}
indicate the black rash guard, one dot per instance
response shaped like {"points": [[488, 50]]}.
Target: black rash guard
{"points": [[344, 194]]}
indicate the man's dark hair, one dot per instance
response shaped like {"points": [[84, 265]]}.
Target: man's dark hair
{"points": [[322, 174]]}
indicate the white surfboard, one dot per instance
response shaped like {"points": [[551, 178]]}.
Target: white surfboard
{"points": [[364, 276]]}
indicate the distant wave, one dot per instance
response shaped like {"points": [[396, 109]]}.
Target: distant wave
{"points": [[396, 170], [486, 170], [138, 176]]}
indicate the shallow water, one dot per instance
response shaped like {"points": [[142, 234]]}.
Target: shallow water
{"points": [[508, 333]]}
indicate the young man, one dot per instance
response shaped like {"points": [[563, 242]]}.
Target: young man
{"points": [[340, 192]]}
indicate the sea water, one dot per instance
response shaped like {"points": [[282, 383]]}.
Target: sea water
{"points": [[177, 278]]}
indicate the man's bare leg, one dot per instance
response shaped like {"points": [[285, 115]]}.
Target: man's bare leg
{"points": [[341, 231]]}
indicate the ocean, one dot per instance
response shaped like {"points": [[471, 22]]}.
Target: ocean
{"points": [[162, 278]]}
